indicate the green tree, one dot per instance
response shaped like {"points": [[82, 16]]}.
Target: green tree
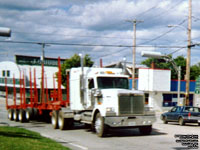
{"points": [[74, 61], [162, 64], [195, 71]]}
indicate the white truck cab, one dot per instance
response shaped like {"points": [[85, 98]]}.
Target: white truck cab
{"points": [[101, 97]]}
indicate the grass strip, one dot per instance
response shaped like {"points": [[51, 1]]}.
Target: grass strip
{"points": [[13, 138]]}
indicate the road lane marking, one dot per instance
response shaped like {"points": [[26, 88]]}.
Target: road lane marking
{"points": [[62, 140], [79, 146]]}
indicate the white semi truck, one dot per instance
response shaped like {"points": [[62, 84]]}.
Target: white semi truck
{"points": [[101, 97]]}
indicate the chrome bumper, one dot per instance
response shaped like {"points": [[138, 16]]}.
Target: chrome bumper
{"points": [[129, 121]]}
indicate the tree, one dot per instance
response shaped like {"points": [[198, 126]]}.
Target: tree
{"points": [[162, 64], [74, 61], [195, 71]]}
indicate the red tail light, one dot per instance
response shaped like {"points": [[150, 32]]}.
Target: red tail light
{"points": [[189, 114]]}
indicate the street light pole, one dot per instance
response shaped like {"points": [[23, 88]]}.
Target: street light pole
{"points": [[188, 55], [179, 84], [158, 55]]}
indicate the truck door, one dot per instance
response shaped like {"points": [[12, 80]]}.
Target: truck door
{"points": [[90, 96]]}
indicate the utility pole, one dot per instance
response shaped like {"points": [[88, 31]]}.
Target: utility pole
{"points": [[188, 55], [135, 22]]}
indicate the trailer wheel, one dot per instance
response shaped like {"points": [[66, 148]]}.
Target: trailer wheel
{"points": [[146, 130], [21, 115], [10, 114], [15, 114], [35, 113], [99, 125], [54, 119], [28, 114]]}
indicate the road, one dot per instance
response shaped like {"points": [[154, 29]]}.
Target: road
{"points": [[80, 138]]}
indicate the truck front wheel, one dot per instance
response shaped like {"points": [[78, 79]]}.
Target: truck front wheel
{"points": [[99, 125], [145, 130]]}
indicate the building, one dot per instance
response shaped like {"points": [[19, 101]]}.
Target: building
{"points": [[160, 91], [29, 67]]}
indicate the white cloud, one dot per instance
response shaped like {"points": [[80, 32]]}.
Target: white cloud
{"points": [[89, 21]]}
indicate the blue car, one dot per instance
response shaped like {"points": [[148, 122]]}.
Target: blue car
{"points": [[182, 115]]}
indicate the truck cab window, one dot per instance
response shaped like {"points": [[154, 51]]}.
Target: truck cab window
{"points": [[91, 83], [112, 82]]}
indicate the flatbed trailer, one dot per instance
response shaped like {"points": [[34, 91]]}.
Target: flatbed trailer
{"points": [[23, 111]]}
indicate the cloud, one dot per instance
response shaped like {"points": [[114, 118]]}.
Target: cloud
{"points": [[99, 22]]}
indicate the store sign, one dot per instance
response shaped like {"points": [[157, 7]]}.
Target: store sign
{"points": [[36, 61], [9, 81], [197, 86]]}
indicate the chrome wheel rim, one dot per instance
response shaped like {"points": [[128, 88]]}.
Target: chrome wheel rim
{"points": [[20, 116], [98, 125], [27, 115], [60, 122], [53, 121]]}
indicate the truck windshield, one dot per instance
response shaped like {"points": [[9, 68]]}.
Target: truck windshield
{"points": [[112, 82]]}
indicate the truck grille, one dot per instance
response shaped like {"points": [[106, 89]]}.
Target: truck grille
{"points": [[131, 105]]}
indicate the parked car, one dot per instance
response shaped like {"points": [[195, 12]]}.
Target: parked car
{"points": [[182, 115]]}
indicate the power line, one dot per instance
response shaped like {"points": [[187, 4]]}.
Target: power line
{"points": [[160, 14], [163, 34], [90, 45]]}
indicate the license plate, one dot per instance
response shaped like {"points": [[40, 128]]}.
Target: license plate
{"points": [[131, 123]]}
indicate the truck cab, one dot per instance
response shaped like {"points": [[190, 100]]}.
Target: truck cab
{"points": [[104, 98]]}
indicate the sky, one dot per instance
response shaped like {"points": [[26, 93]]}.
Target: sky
{"points": [[96, 24]]}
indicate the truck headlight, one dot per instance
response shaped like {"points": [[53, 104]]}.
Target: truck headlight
{"points": [[110, 109]]}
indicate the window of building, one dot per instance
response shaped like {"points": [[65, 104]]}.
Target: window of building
{"points": [[8, 73], [3, 73], [170, 100]]}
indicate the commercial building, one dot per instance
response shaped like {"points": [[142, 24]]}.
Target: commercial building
{"points": [[29, 67]]}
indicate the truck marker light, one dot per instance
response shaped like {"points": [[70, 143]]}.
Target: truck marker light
{"points": [[99, 102], [109, 72]]}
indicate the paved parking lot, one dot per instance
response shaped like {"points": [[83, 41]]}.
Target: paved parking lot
{"points": [[80, 138]]}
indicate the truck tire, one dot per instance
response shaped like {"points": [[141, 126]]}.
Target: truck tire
{"points": [[10, 114], [21, 115], [28, 114], [64, 123], [145, 130], [54, 119], [15, 114], [35, 113], [181, 121], [100, 127]]}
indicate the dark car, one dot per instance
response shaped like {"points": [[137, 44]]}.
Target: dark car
{"points": [[182, 115]]}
